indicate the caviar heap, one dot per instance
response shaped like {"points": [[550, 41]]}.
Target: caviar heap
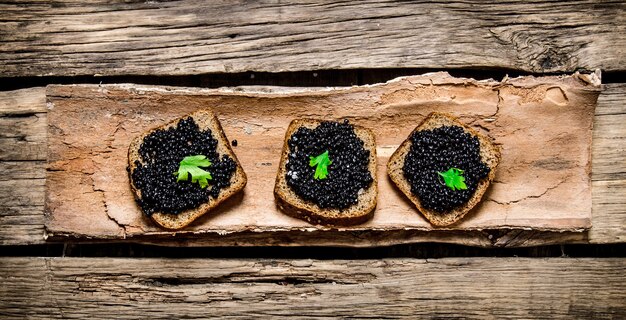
{"points": [[438, 150], [347, 174], [161, 153]]}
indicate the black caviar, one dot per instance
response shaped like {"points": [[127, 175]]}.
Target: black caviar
{"points": [[347, 174], [438, 150], [161, 153]]}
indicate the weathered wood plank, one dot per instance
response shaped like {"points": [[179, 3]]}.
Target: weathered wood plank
{"points": [[540, 185], [22, 124], [611, 101], [70, 37], [21, 202], [23, 102], [21, 225], [22, 176], [474, 288], [22, 192], [22, 170], [609, 146], [609, 209], [21, 138]]}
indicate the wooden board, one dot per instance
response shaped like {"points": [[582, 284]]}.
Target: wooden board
{"points": [[543, 182], [474, 288], [23, 179], [22, 163], [70, 37]]}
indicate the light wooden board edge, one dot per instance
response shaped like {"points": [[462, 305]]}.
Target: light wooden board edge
{"points": [[191, 37], [22, 155], [473, 288]]}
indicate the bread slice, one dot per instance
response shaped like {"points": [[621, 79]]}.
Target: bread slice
{"points": [[205, 119], [489, 154], [291, 204]]}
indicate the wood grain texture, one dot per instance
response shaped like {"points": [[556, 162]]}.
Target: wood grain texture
{"points": [[22, 114], [21, 202], [22, 102], [542, 183], [609, 203], [70, 37], [22, 165], [23, 224], [473, 288], [609, 146]]}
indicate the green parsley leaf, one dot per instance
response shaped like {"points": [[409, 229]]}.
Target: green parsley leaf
{"points": [[454, 179], [190, 165], [322, 161]]}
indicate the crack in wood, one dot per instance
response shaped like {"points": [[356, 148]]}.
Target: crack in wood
{"points": [[256, 278], [48, 284], [106, 210], [529, 196], [500, 99], [105, 205], [20, 115]]}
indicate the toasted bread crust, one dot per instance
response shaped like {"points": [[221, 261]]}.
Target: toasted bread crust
{"points": [[292, 205], [489, 152], [205, 120]]}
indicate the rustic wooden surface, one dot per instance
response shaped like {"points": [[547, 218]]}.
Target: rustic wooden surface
{"points": [[22, 185], [476, 288], [180, 41], [22, 163], [22, 151], [542, 183], [70, 37]]}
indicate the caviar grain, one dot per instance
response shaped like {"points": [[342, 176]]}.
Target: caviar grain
{"points": [[438, 150], [161, 153], [347, 174]]}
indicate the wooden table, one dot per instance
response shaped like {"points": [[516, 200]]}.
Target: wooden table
{"points": [[190, 43]]}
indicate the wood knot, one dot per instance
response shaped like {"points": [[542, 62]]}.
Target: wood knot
{"points": [[553, 60]]}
